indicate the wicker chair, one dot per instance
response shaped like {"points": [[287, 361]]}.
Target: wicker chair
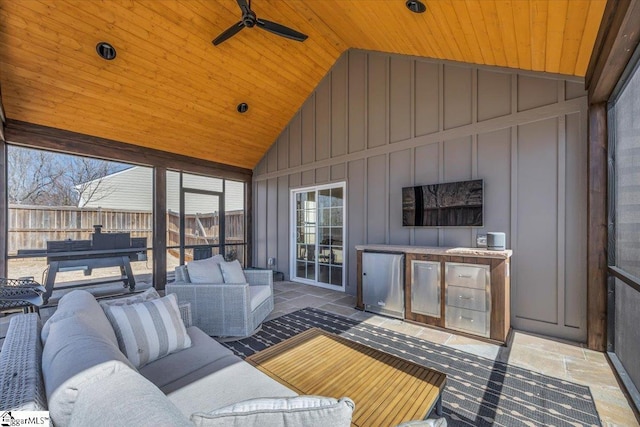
{"points": [[224, 310]]}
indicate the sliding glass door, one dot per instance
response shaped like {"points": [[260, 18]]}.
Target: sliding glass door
{"points": [[318, 220]]}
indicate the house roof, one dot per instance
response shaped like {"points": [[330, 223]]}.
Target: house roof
{"points": [[169, 88]]}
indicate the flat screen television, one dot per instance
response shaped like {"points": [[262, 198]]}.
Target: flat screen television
{"points": [[451, 204]]}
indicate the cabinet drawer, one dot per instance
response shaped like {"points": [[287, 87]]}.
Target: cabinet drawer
{"points": [[467, 275], [472, 299], [471, 321]]}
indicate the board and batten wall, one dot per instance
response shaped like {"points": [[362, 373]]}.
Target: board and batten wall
{"points": [[381, 122]]}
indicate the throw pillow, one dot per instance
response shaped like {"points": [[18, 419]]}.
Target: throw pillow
{"points": [[232, 272], [432, 422], [147, 295], [148, 330], [308, 411], [206, 270]]}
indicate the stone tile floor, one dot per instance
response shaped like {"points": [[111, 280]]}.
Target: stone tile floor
{"points": [[559, 359]]}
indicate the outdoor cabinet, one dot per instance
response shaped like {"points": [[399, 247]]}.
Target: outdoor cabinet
{"points": [[425, 288], [461, 289]]}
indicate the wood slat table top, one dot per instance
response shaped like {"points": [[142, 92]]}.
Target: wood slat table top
{"points": [[386, 389]]}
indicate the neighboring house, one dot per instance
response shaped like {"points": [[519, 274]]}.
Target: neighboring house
{"points": [[131, 189]]}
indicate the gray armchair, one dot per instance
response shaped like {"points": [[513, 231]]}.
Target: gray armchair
{"points": [[229, 309]]}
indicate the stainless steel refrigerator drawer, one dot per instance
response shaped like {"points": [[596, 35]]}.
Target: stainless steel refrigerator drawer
{"points": [[472, 299], [471, 321], [467, 275], [425, 288]]}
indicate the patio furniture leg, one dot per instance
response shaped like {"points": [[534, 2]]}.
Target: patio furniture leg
{"points": [[439, 405], [126, 266], [51, 279]]}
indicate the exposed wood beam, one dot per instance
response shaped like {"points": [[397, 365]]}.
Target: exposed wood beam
{"points": [[249, 223], [616, 42], [4, 212], [29, 134], [3, 117], [597, 229], [159, 227]]}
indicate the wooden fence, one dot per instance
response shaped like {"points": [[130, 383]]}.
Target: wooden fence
{"points": [[30, 227]]}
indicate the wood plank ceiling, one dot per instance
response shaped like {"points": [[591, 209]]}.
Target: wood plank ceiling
{"points": [[169, 88]]}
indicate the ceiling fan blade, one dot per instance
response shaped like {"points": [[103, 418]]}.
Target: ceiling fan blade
{"points": [[229, 32], [281, 30], [244, 5]]}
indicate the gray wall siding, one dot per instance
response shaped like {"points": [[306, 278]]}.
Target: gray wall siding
{"points": [[381, 122]]}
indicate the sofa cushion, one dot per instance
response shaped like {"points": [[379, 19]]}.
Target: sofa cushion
{"points": [[259, 294], [226, 385], [232, 272], [149, 330], [308, 411], [206, 270], [76, 354], [124, 399], [146, 295], [199, 374], [78, 302], [203, 351]]}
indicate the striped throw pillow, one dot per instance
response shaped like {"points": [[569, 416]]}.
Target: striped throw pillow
{"points": [[148, 330]]}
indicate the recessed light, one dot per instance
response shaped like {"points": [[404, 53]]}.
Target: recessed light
{"points": [[415, 6], [106, 51], [242, 107]]}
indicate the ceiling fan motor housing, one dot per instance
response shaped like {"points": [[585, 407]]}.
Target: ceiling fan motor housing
{"points": [[249, 19]]}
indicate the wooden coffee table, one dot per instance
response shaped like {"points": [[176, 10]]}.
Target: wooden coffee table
{"points": [[386, 389]]}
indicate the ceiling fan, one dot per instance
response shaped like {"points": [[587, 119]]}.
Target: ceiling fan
{"points": [[249, 19]]}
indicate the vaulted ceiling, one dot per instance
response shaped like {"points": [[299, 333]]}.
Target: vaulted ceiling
{"points": [[169, 88]]}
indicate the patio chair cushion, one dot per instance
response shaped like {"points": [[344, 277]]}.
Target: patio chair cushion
{"points": [[149, 330], [308, 411], [146, 295], [76, 354], [258, 295], [80, 302], [206, 270], [125, 399], [232, 272]]}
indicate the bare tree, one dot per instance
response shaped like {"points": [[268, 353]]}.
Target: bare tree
{"points": [[39, 177], [84, 181], [31, 174]]}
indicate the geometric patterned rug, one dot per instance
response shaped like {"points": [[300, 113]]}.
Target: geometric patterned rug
{"points": [[479, 391]]}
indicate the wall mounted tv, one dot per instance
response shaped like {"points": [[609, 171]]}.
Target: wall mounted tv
{"points": [[451, 204]]}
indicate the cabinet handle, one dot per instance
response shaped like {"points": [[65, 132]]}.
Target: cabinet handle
{"points": [[466, 276], [467, 318], [461, 297]]}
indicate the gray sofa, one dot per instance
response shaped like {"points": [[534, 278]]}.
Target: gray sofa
{"points": [[79, 375], [226, 309]]}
